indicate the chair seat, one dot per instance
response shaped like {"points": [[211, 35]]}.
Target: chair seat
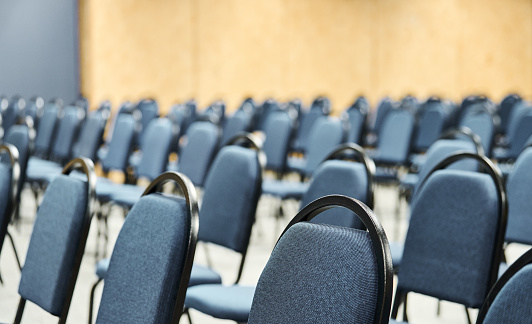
{"points": [[105, 190], [225, 302], [384, 175], [42, 171], [127, 195], [296, 164], [284, 189], [409, 181], [396, 249]]}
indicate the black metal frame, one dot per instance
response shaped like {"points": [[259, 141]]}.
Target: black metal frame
{"points": [[524, 260], [454, 133], [493, 171], [87, 167], [378, 238]]}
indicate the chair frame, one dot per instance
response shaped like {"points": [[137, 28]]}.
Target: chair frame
{"points": [[495, 174], [87, 167], [378, 238], [524, 260]]}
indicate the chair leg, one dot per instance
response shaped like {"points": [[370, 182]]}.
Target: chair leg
{"points": [[186, 312], [20, 310], [398, 212], [91, 302], [438, 309], [467, 314], [398, 300], [1, 280], [14, 250]]}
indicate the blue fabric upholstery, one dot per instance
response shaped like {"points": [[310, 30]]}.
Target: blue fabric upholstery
{"points": [[19, 136], [230, 197], [357, 120], [66, 134], [284, 189], [196, 156], [519, 189], [120, 144], [46, 130], [156, 141], [278, 131], [395, 137], [518, 138], [384, 106], [127, 195], [238, 123], [226, 302], [512, 304], [143, 278], [53, 244], [431, 123], [90, 136], [481, 123], [449, 246], [307, 121], [318, 274], [149, 110], [338, 177]]}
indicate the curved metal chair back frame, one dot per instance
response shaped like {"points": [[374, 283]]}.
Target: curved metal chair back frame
{"points": [[189, 192], [87, 167], [524, 260], [377, 235], [349, 150], [454, 133]]}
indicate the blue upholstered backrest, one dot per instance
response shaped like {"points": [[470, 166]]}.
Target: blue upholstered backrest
{"points": [[338, 177], [307, 121], [450, 244], [430, 126], [481, 123], [395, 136], [519, 190], [54, 243], [196, 156], [156, 142], [230, 198], [66, 133], [278, 131], [357, 119], [327, 134], [19, 136], [512, 304], [90, 137], [237, 124], [149, 111], [45, 132], [318, 274], [145, 270], [517, 113], [121, 142], [520, 134], [385, 106], [10, 114]]}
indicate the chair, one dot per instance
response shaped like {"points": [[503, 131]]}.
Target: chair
{"points": [[52, 264], [240, 122], [518, 131], [149, 110], [215, 113], [12, 112], [326, 134], [34, 109], [483, 123], [46, 130], [432, 122], [506, 107], [454, 242], [357, 114], [509, 300], [297, 285], [9, 182], [278, 131], [319, 108], [150, 267], [377, 118]]}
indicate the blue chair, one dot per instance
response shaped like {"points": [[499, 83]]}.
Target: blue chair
{"points": [[454, 242], [262, 113], [34, 109], [149, 110], [12, 112], [120, 145], [518, 131], [319, 108], [506, 107], [482, 122], [432, 121], [376, 120], [509, 300], [357, 114], [278, 130], [182, 116], [215, 113], [297, 284], [46, 130], [52, 263], [150, 267], [9, 182], [239, 123]]}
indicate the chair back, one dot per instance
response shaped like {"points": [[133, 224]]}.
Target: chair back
{"points": [[67, 133], [278, 131], [454, 241], [121, 143], [91, 136], [326, 274], [196, 156], [46, 130], [9, 182], [34, 109], [12, 112], [395, 137], [22, 137], [509, 300], [378, 117], [236, 124], [519, 188], [155, 148], [505, 110], [149, 270], [307, 121], [149, 110], [518, 136], [482, 123], [58, 240], [356, 115], [352, 178], [430, 125]]}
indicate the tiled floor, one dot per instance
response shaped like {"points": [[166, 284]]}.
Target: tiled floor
{"points": [[421, 309]]}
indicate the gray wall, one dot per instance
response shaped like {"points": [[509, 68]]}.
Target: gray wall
{"points": [[39, 48]]}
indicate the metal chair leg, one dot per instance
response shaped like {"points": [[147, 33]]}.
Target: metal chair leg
{"points": [[91, 303], [467, 314], [14, 250]]}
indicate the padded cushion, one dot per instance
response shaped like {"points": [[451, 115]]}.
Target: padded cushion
{"points": [[512, 304], [127, 195], [450, 241], [226, 302], [156, 141], [318, 274], [120, 145], [142, 281], [395, 137], [105, 190], [284, 189], [54, 243], [278, 129]]}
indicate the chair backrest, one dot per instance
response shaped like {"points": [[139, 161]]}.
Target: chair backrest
{"points": [[505, 109], [509, 300], [67, 133], [121, 143], [46, 130], [454, 241], [232, 191], [12, 112], [430, 125], [9, 182], [379, 115], [149, 111], [34, 109], [342, 177], [519, 131], [196, 156], [304, 130], [150, 266], [155, 148], [58, 240], [356, 115], [326, 134], [326, 274], [395, 137], [482, 123], [91, 136], [519, 188], [238, 123], [22, 137], [278, 130]]}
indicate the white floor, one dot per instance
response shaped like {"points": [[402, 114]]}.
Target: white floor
{"points": [[420, 309]]}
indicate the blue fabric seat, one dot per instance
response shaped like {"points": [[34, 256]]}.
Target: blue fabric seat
{"points": [[225, 302], [284, 189]]}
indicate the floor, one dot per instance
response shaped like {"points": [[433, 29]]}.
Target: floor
{"points": [[421, 309]]}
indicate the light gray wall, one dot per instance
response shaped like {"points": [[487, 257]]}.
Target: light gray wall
{"points": [[39, 48]]}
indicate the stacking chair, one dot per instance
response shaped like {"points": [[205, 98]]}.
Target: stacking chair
{"points": [[181, 115], [262, 113], [518, 130], [215, 113], [505, 110], [482, 122], [239, 123], [12, 113], [54, 254], [316, 273], [150, 267], [46, 130], [278, 131], [432, 121], [9, 182], [326, 134], [376, 120], [357, 114], [319, 108], [149, 111], [509, 300], [34, 109], [454, 242]]}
